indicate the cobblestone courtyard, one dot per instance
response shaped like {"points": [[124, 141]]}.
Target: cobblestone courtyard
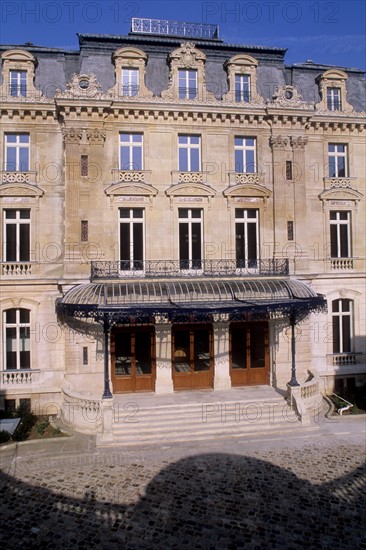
{"points": [[310, 495]]}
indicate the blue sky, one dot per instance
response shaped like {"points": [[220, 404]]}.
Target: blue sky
{"points": [[327, 32]]}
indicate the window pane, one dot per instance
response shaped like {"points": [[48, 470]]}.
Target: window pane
{"points": [[333, 241], [11, 159], [252, 242], [346, 305], [183, 212], [143, 352], [196, 212], [10, 316], [195, 160], [124, 242], [346, 334], [137, 158], [24, 245], [125, 158], [239, 243], [24, 214], [24, 315], [343, 229], [239, 165], [257, 347], [183, 243], [10, 243], [124, 212], [183, 160], [335, 306], [24, 138], [182, 351], [238, 348], [123, 359], [195, 140], [137, 246], [201, 350], [250, 162], [196, 242], [138, 213]]}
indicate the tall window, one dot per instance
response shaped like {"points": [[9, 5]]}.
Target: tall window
{"points": [[17, 152], [245, 155], [130, 82], [334, 99], [242, 87], [18, 83], [190, 237], [342, 321], [131, 226], [189, 153], [187, 84], [16, 246], [340, 234], [246, 237], [338, 161], [17, 338], [131, 152]]}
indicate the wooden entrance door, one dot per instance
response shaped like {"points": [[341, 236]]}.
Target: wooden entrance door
{"points": [[192, 357], [133, 359], [249, 354]]}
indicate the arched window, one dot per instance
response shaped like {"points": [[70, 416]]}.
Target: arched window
{"points": [[342, 322], [16, 338]]}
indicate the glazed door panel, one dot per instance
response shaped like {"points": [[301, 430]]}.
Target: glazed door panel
{"points": [[249, 354], [192, 358], [133, 360]]}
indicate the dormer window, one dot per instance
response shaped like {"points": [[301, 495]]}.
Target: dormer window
{"points": [[18, 83], [130, 82], [333, 92], [187, 84], [18, 75], [187, 75], [242, 79], [242, 88], [130, 69], [334, 99]]}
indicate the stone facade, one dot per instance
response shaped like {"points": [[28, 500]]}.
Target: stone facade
{"points": [[305, 182]]}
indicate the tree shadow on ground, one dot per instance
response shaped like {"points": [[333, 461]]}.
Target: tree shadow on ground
{"points": [[209, 501]]}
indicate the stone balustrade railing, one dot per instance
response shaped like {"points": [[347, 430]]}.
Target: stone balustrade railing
{"points": [[16, 269], [341, 264], [19, 377], [306, 398], [81, 412], [7, 176], [131, 176]]}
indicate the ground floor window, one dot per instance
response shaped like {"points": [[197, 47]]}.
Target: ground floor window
{"points": [[17, 339]]}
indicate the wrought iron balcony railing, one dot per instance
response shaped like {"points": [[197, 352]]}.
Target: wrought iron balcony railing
{"points": [[121, 269]]}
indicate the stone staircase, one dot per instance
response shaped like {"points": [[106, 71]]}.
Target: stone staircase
{"points": [[147, 419]]}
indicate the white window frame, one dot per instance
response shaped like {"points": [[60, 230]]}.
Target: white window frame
{"points": [[131, 145], [190, 220], [131, 89], [189, 146], [338, 222], [337, 154], [245, 221], [185, 89], [244, 85], [17, 325], [17, 146], [19, 83], [17, 221], [334, 98], [244, 149], [131, 221], [339, 315]]}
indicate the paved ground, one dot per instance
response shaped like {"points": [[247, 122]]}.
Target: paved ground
{"points": [[305, 492]]}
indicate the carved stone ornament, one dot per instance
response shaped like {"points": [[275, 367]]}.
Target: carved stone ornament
{"points": [[346, 194], [96, 135], [20, 190], [72, 135], [298, 142], [187, 57], [248, 190], [278, 142], [128, 189], [82, 86], [288, 97], [190, 190]]}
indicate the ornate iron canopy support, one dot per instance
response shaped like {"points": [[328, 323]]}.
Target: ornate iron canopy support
{"points": [[293, 381], [107, 394]]}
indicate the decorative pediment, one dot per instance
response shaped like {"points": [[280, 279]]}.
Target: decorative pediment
{"points": [[19, 60], [288, 97], [81, 86], [333, 78], [341, 193], [187, 57], [20, 190], [248, 190], [141, 189], [190, 190], [130, 58], [243, 64]]}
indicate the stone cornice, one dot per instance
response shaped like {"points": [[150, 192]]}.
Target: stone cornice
{"points": [[20, 190], [131, 189], [190, 189]]}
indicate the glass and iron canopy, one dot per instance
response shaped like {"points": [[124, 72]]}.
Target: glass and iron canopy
{"points": [[190, 300]]}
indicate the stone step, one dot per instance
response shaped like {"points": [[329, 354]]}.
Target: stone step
{"points": [[197, 421]]}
